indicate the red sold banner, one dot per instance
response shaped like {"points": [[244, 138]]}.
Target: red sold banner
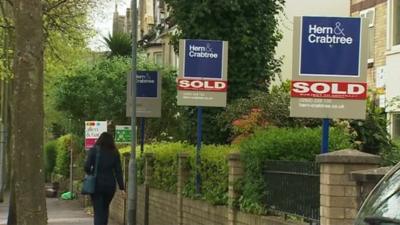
{"points": [[330, 90], [202, 85]]}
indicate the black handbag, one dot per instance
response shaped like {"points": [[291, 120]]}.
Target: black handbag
{"points": [[89, 182]]}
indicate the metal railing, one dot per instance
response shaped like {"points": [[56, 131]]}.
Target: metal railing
{"points": [[292, 188]]}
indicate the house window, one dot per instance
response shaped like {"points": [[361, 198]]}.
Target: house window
{"points": [[396, 126], [369, 15], [396, 22], [158, 58]]}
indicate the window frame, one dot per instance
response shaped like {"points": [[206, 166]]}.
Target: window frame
{"points": [[391, 23], [363, 14]]}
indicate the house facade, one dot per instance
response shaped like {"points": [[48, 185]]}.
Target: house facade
{"points": [[155, 32], [383, 17]]}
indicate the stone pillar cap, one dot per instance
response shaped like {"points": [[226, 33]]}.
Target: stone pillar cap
{"points": [[348, 156], [148, 154], [183, 155], [233, 156], [372, 175]]}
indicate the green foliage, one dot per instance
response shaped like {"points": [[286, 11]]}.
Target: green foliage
{"points": [[392, 156], [214, 175], [249, 26], [371, 134], [93, 92], [98, 92], [213, 169], [50, 156], [63, 155], [166, 164], [273, 106], [297, 144], [120, 44]]}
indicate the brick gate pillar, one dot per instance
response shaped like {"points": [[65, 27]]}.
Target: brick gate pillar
{"points": [[148, 173], [183, 175], [235, 173], [338, 193]]}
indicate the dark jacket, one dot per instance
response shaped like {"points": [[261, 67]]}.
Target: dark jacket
{"points": [[109, 169]]}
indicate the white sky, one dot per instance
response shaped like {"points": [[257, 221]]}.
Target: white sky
{"points": [[102, 22]]}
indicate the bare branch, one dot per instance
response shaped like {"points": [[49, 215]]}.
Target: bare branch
{"points": [[56, 5]]}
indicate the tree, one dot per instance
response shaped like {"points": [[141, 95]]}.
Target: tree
{"points": [[27, 138], [119, 44], [250, 27]]}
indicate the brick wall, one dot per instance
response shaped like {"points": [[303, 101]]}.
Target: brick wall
{"points": [[172, 208]]}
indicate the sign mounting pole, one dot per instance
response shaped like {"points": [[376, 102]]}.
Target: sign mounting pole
{"points": [[325, 136], [132, 180], [198, 148]]}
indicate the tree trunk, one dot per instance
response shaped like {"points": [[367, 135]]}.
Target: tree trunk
{"points": [[27, 114]]}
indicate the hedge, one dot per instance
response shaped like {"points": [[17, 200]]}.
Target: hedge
{"points": [[57, 155], [50, 155], [298, 144], [213, 170]]}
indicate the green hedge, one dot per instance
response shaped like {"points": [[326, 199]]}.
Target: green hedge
{"points": [[50, 156], [214, 169], [298, 144], [214, 174], [63, 155]]}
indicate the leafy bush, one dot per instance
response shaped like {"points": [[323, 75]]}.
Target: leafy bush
{"points": [[372, 135], [272, 109], [213, 170], [214, 174], [166, 164], [63, 155], [50, 156], [392, 156], [300, 144]]}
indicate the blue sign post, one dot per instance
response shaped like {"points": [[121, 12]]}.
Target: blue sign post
{"points": [[202, 81], [329, 56]]}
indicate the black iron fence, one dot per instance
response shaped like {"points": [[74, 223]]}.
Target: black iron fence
{"points": [[293, 188]]}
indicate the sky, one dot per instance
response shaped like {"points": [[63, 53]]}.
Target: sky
{"points": [[102, 22]]}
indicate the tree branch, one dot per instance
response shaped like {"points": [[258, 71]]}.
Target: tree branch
{"points": [[56, 5]]}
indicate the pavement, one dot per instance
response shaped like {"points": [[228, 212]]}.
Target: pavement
{"points": [[59, 212]]}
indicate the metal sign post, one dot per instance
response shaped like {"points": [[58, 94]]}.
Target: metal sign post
{"points": [[132, 176], [198, 148]]}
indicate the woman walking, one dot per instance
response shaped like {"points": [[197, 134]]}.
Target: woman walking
{"points": [[109, 173]]}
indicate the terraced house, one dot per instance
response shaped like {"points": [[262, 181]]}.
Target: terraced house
{"points": [[383, 54]]}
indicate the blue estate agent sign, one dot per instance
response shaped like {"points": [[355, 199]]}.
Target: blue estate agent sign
{"points": [[330, 46], [146, 84], [203, 59]]}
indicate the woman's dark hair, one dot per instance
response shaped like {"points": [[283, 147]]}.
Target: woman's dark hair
{"points": [[106, 141]]}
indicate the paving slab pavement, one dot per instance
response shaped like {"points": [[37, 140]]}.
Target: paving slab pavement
{"points": [[59, 212]]}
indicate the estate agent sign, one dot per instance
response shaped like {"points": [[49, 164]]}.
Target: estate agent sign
{"points": [[123, 134], [148, 94], [203, 73], [329, 68], [93, 130]]}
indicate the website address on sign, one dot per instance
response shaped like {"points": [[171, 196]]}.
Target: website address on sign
{"points": [[197, 97], [321, 106]]}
